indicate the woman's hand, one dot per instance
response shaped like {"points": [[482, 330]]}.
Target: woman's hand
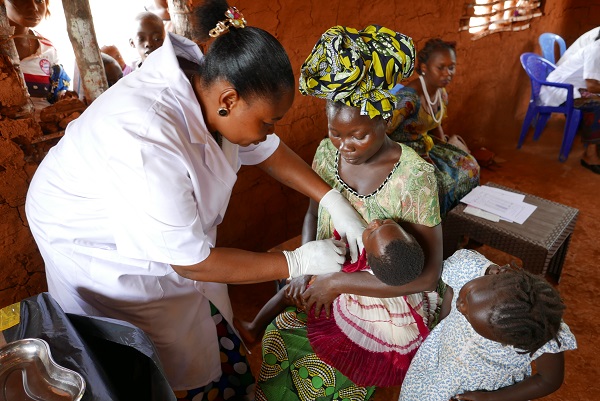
{"points": [[294, 290], [346, 220], [321, 293]]}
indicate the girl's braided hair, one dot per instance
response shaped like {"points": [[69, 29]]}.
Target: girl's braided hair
{"points": [[530, 313]]}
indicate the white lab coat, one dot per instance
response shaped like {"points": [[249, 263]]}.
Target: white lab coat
{"points": [[138, 184], [584, 64]]}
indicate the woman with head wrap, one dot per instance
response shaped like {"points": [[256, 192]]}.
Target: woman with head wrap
{"points": [[372, 335], [417, 122]]}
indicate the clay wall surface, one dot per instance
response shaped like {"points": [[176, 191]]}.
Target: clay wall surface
{"points": [[488, 99]]}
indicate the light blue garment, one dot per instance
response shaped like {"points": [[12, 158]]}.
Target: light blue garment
{"points": [[454, 358]]}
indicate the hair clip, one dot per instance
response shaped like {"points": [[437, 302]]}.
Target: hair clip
{"points": [[234, 19]]}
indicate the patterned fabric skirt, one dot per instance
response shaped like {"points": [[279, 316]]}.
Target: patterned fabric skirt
{"points": [[457, 172], [293, 370], [589, 127], [236, 382]]}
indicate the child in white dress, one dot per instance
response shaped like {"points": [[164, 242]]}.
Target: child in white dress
{"points": [[501, 320]]}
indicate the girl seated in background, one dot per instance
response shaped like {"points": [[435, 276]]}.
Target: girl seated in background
{"points": [[45, 78], [501, 320], [417, 122]]}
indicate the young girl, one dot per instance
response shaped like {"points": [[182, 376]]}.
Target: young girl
{"points": [[382, 180], [45, 78], [417, 122], [501, 320]]}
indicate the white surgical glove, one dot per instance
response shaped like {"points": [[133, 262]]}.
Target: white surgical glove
{"points": [[316, 257], [346, 221]]}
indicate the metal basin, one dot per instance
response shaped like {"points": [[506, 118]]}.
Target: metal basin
{"points": [[28, 372]]}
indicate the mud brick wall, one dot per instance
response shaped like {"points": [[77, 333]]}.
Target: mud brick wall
{"points": [[488, 100]]}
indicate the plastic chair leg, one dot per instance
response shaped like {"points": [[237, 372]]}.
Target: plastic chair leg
{"points": [[529, 117], [540, 125], [571, 126]]}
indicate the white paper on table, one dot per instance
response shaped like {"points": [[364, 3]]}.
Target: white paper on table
{"points": [[481, 213], [506, 206]]}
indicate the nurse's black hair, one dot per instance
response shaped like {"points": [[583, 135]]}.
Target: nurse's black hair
{"points": [[529, 311], [250, 59]]}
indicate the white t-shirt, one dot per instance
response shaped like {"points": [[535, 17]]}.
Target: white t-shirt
{"points": [[138, 184], [581, 42], [584, 64]]}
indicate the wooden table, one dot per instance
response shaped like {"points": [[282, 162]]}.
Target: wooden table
{"points": [[541, 242]]}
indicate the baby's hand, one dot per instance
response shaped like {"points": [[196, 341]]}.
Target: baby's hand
{"points": [[295, 289]]}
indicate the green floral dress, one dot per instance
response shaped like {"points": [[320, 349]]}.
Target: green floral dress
{"points": [[290, 369], [457, 172]]}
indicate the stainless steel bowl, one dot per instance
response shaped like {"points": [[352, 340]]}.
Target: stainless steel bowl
{"points": [[28, 372]]}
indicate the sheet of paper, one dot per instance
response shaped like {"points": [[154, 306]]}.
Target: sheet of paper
{"points": [[481, 213], [499, 202]]}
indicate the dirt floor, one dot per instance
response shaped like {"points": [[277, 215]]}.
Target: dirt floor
{"points": [[534, 169]]}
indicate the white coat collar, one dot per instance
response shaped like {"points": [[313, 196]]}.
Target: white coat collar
{"points": [[163, 62]]}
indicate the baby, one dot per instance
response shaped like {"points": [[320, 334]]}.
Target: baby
{"points": [[149, 36], [385, 242], [501, 320]]}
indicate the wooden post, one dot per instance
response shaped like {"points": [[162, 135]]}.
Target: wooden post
{"points": [[9, 51], [80, 27], [181, 13]]}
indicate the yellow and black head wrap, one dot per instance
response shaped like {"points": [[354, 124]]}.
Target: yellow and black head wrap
{"points": [[359, 68]]}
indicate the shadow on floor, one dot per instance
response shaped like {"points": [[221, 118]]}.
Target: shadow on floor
{"points": [[533, 169]]}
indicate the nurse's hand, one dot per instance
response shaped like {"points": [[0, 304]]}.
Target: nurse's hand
{"points": [[346, 221], [316, 257]]}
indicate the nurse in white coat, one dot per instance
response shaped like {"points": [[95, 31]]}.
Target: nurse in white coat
{"points": [[125, 208]]}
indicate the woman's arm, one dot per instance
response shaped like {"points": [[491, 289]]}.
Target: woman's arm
{"points": [[309, 228], [325, 288], [549, 377], [288, 168], [236, 266], [593, 86]]}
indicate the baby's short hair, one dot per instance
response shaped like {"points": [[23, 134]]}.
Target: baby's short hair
{"points": [[529, 313], [401, 262]]}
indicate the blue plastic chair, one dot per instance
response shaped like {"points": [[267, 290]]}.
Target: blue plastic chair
{"points": [[547, 41], [538, 69]]}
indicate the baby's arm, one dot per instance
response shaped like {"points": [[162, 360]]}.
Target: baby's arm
{"points": [[326, 287], [549, 377]]}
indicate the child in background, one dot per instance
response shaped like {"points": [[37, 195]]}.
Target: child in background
{"points": [[501, 320], [161, 8], [149, 36], [385, 242], [46, 80], [114, 52]]}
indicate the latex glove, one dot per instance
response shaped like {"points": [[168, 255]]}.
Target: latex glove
{"points": [[316, 257], [346, 221]]}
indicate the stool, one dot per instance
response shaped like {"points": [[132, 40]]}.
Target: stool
{"points": [[541, 242]]}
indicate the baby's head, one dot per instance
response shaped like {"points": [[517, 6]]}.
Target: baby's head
{"points": [[149, 34], [112, 69], [395, 256], [512, 307]]}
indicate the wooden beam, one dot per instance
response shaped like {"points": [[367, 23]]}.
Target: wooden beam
{"points": [[9, 50], [181, 17], [80, 27]]}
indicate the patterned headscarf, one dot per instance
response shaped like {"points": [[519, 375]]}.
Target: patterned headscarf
{"points": [[358, 68]]}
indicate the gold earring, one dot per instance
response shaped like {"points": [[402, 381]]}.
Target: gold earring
{"points": [[223, 111]]}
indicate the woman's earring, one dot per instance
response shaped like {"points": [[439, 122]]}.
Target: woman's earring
{"points": [[223, 111]]}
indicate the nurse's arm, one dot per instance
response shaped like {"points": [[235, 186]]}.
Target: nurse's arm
{"points": [[236, 266], [290, 169]]}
